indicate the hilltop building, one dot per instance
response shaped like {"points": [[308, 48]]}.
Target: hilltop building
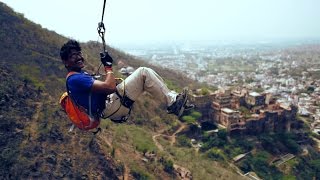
{"points": [[246, 112], [203, 101]]}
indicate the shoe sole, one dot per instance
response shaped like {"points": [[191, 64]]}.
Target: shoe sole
{"points": [[189, 108], [184, 102]]}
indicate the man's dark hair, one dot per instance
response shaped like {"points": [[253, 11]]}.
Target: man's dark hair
{"points": [[67, 47]]}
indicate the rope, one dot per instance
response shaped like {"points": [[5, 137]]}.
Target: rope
{"points": [[101, 31], [104, 5], [101, 28]]}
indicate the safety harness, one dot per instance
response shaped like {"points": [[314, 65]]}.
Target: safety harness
{"points": [[80, 117], [124, 99]]}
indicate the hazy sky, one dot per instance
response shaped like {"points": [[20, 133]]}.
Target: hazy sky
{"points": [[175, 20]]}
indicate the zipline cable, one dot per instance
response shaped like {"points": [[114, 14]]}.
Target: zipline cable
{"points": [[101, 28], [104, 5], [101, 31]]}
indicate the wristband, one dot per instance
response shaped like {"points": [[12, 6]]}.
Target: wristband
{"points": [[107, 68], [109, 72]]}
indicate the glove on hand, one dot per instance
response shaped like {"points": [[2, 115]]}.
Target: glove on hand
{"points": [[106, 59]]}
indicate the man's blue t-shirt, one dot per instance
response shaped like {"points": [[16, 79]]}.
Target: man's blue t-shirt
{"points": [[79, 85]]}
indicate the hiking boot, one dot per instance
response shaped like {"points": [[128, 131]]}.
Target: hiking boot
{"points": [[180, 105], [188, 106]]}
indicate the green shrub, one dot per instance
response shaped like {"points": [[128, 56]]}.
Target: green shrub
{"points": [[204, 91], [289, 177], [259, 90], [315, 165], [184, 141], [188, 119], [140, 174], [28, 79], [223, 134], [260, 165], [113, 152], [245, 165], [172, 85], [196, 115], [289, 140], [245, 111], [168, 166], [146, 104], [243, 144], [142, 140], [211, 141], [216, 154]]}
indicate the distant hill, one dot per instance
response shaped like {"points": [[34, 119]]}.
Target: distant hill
{"points": [[34, 138]]}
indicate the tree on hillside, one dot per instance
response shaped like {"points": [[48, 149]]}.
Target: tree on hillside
{"points": [[192, 118]]}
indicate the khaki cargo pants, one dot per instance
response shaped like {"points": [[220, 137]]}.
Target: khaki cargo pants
{"points": [[141, 80]]}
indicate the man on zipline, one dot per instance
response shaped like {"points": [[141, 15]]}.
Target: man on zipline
{"points": [[109, 100]]}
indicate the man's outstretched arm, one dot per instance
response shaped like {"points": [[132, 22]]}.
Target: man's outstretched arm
{"points": [[107, 86]]}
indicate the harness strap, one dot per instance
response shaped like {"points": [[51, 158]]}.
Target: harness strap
{"points": [[124, 101], [91, 116]]}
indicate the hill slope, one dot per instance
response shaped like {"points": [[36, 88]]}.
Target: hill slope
{"points": [[34, 141]]}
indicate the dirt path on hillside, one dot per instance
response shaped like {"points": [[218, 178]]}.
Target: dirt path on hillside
{"points": [[182, 172], [36, 116], [172, 137], [154, 138], [117, 153], [125, 166], [35, 119]]}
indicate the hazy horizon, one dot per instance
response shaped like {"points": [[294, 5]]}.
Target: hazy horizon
{"points": [[149, 21]]}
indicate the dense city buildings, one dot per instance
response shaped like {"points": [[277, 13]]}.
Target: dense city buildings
{"points": [[270, 80]]}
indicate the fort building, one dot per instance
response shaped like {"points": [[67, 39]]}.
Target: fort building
{"points": [[246, 112]]}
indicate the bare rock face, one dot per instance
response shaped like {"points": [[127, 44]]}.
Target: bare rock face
{"points": [[55, 135], [182, 172], [51, 159]]}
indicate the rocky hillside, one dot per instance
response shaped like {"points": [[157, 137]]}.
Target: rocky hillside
{"points": [[34, 144], [34, 138]]}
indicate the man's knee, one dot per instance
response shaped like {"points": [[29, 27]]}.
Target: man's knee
{"points": [[144, 70]]}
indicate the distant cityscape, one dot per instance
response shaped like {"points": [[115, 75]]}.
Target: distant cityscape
{"points": [[289, 71]]}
